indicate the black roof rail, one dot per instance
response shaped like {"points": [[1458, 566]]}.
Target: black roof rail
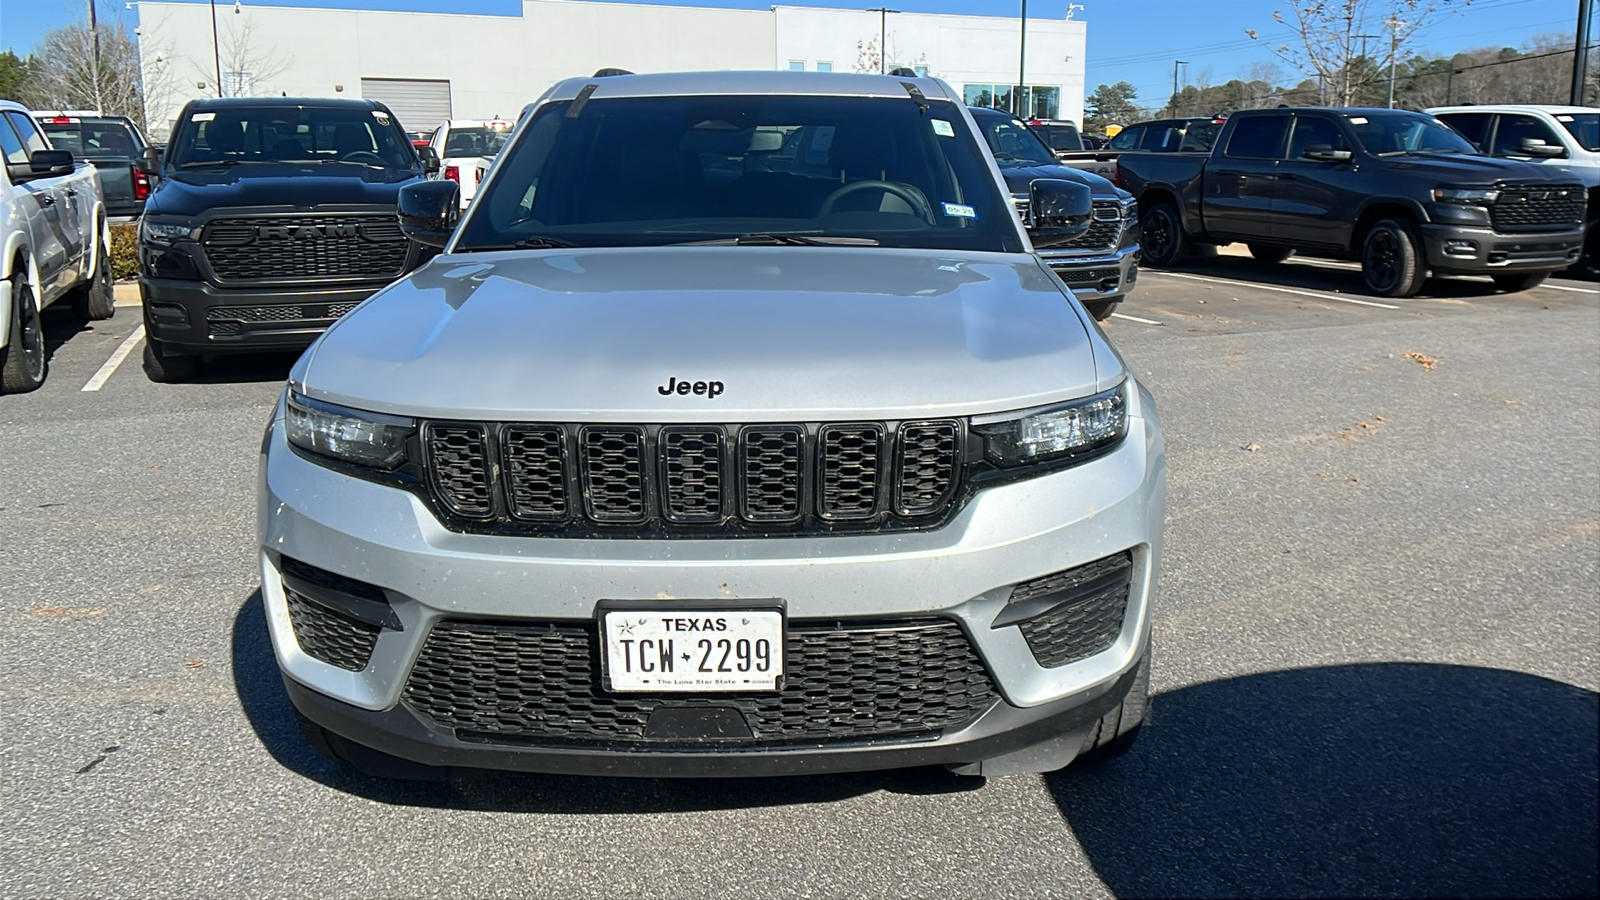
{"points": [[608, 72]]}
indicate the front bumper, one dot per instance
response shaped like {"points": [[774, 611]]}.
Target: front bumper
{"points": [[963, 572], [195, 317], [1465, 250], [1109, 276]]}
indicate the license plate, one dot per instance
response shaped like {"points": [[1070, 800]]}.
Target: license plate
{"points": [[688, 650]]}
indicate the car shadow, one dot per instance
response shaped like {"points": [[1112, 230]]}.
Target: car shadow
{"points": [[1312, 277], [1391, 779], [244, 368], [266, 706]]}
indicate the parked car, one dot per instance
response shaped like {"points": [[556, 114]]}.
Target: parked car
{"points": [[1399, 191], [1102, 265], [56, 242], [811, 469], [1566, 137], [272, 218], [114, 145], [420, 138], [466, 148], [1179, 135], [1067, 144]]}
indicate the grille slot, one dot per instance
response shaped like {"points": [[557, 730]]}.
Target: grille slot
{"points": [[927, 476], [1541, 208], [330, 636], [459, 470], [1105, 229], [851, 457], [614, 474], [1088, 621], [691, 476], [772, 469], [535, 465], [300, 247], [539, 683]]}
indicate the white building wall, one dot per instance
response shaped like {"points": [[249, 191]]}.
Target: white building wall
{"points": [[496, 64]]}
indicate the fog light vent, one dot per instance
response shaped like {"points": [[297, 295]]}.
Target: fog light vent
{"points": [[335, 619], [1072, 614]]}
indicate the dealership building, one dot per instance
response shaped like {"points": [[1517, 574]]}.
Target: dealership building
{"points": [[431, 66]]}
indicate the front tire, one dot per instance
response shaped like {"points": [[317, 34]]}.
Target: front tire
{"points": [[1269, 254], [1391, 259], [1117, 730], [96, 301], [163, 366], [1511, 282], [23, 360], [1164, 243]]}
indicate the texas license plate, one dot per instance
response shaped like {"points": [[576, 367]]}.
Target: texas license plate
{"points": [[687, 650]]}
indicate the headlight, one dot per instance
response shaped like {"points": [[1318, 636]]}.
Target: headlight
{"points": [[1466, 195], [165, 232], [1061, 432], [363, 438]]}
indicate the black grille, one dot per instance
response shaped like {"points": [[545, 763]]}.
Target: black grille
{"points": [[330, 636], [1088, 276], [301, 247], [226, 320], [654, 480], [1541, 208], [1105, 229], [1081, 625], [459, 468], [539, 683]]}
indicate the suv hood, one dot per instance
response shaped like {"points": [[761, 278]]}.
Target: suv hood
{"points": [[791, 333], [192, 192]]}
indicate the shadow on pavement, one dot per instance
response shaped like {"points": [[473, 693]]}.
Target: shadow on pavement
{"points": [[242, 368], [1309, 276], [266, 706], [1362, 780]]}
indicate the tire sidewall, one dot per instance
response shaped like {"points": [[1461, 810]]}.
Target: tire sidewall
{"points": [[1160, 219], [18, 376], [1406, 278]]}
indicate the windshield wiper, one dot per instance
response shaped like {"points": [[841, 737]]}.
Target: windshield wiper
{"points": [[215, 162], [528, 243], [782, 239]]}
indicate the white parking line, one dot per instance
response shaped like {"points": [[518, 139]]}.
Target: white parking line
{"points": [[1272, 287], [123, 349], [1136, 319], [1559, 287]]}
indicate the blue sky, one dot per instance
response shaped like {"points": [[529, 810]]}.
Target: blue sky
{"points": [[1131, 40]]}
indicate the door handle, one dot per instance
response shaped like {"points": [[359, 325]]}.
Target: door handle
{"points": [[72, 192], [1287, 176], [46, 200]]}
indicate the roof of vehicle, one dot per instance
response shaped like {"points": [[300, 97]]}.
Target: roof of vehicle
{"points": [[1513, 107], [281, 102], [1337, 110], [1187, 120], [733, 83], [12, 104]]}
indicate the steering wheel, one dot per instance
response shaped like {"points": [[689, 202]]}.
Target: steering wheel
{"points": [[365, 156], [912, 197]]}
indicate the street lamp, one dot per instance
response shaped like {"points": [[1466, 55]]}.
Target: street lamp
{"points": [[1175, 64], [1022, 65], [883, 36]]}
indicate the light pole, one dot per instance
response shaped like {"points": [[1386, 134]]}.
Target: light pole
{"points": [[883, 36], [216, 49], [1394, 47], [1580, 56], [1022, 66], [1175, 64]]}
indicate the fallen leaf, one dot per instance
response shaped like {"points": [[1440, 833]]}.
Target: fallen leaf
{"points": [[1252, 447], [1379, 419], [73, 611], [194, 664], [1422, 359]]}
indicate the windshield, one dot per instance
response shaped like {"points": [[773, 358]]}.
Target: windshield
{"points": [[476, 140], [250, 134], [91, 139], [1012, 143], [664, 170], [1584, 128], [1384, 133], [1060, 137]]}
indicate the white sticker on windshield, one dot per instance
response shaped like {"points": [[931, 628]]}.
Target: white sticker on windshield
{"points": [[943, 128], [1563, 118], [202, 117], [960, 211], [1358, 120], [381, 116]]}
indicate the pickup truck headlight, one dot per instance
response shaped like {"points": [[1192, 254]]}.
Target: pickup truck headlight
{"points": [[1056, 433], [1474, 196], [165, 233], [347, 435]]}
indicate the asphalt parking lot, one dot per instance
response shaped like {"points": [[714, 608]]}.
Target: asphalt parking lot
{"points": [[1375, 647]]}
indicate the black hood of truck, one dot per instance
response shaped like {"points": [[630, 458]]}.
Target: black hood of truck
{"points": [[1019, 176], [191, 192], [1454, 168]]}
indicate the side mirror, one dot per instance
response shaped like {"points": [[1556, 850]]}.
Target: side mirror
{"points": [[1325, 153], [50, 163], [430, 159], [150, 161], [1058, 211], [1536, 147], [428, 211]]}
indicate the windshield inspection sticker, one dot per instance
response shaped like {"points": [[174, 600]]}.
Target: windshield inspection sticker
{"points": [[202, 117], [381, 116], [1358, 120], [943, 128], [960, 211]]}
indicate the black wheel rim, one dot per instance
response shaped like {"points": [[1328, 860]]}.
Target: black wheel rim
{"points": [[1158, 238], [32, 334], [1383, 258]]}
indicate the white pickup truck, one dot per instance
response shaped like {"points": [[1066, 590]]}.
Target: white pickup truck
{"points": [[54, 233], [465, 148]]}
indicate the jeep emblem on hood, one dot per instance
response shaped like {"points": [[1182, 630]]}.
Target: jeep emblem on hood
{"points": [[707, 389]]}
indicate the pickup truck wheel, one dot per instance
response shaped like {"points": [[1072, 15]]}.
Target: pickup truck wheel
{"points": [[1161, 233], [1511, 282], [95, 300], [1102, 309], [23, 362], [166, 367], [1391, 259], [1269, 254], [1116, 731]]}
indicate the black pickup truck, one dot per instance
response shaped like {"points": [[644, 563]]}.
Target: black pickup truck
{"points": [[114, 145], [1398, 191], [272, 218]]}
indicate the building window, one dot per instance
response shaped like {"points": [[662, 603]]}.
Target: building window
{"points": [[1035, 101], [824, 67], [797, 65]]}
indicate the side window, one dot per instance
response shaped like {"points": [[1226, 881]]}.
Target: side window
{"points": [[1126, 139], [1259, 137], [1309, 131], [12, 145], [31, 138], [1514, 129], [1473, 126], [1199, 136], [1159, 137]]}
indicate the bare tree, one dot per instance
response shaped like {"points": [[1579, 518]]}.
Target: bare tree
{"points": [[68, 73], [867, 57], [248, 65], [1328, 35]]}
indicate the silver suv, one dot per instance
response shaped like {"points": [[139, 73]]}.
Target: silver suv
{"points": [[737, 430]]}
